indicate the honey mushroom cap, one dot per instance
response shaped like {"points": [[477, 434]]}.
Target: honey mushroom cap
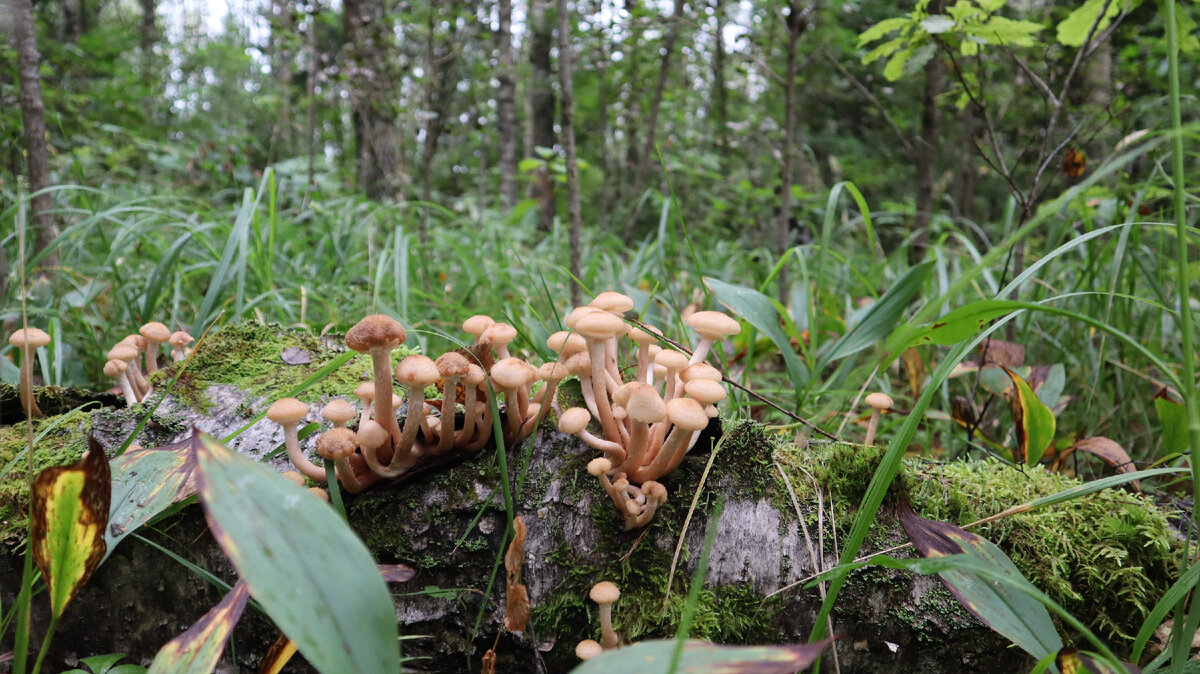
{"points": [[180, 339], [714, 324], [29, 338], [572, 318], [336, 444], [879, 401], [706, 391], [417, 370], [604, 592], [644, 405], [286, 411], [687, 413], [612, 301], [476, 324], [566, 343], [338, 411], [573, 420], [588, 649], [376, 330], [700, 371]]}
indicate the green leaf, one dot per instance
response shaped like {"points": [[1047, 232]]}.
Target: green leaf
{"points": [[999, 30], [895, 65], [302, 563], [198, 649], [955, 326], [1073, 30], [882, 28], [759, 311], [652, 657], [1015, 615], [1173, 418], [145, 482], [885, 49], [937, 24], [883, 316], [1035, 423], [70, 512]]}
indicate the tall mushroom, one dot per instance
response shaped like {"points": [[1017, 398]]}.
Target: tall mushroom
{"points": [[880, 403], [415, 372], [155, 333], [605, 594], [452, 366], [116, 369], [378, 335], [28, 340], [711, 326], [288, 412]]}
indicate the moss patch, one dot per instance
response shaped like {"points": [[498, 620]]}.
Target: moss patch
{"points": [[57, 441]]}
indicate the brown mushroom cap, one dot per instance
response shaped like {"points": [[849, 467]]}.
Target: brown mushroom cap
{"points": [[605, 592], [572, 318], [365, 392], [600, 325], [613, 302], [509, 373], [654, 490], [180, 339], [474, 376], [29, 338], [588, 649], [294, 477], [599, 466], [155, 332], [417, 370], [338, 411], [336, 443], [645, 337], [499, 335], [700, 371], [705, 391], [115, 368], [566, 343], [123, 352], [286, 410], [477, 324], [573, 420], [644, 404], [687, 413], [371, 435], [552, 371], [452, 364], [713, 324], [671, 359], [879, 401], [376, 330]]}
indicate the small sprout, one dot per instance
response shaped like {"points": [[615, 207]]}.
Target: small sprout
{"points": [[605, 594], [28, 340], [879, 402]]}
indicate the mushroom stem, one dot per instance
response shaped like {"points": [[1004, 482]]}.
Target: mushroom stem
{"points": [[381, 364], [449, 393], [879, 403], [291, 438], [403, 458], [28, 404]]}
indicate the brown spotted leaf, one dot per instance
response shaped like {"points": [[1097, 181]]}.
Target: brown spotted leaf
{"points": [[914, 370], [996, 352], [1034, 422], [516, 613], [1109, 452], [197, 650], [145, 482], [653, 657], [1011, 613], [278, 655], [70, 511]]}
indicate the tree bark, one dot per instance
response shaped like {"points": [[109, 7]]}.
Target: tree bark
{"points": [[148, 34], [720, 97], [506, 106], [368, 46], [574, 208], [541, 108], [283, 27], [73, 20], [926, 158], [649, 151], [310, 109], [794, 23], [33, 118]]}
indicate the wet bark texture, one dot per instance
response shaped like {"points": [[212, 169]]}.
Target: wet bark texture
{"points": [[448, 524]]}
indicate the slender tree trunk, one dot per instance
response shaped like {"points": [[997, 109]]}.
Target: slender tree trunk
{"points": [[149, 29], [282, 28], [73, 20], [310, 110], [720, 97], [795, 26], [506, 107], [926, 160], [967, 173], [574, 209], [602, 103], [368, 44], [633, 102], [439, 87], [649, 152], [33, 118], [541, 107]]}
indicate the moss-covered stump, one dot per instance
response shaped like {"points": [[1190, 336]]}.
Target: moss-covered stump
{"points": [[1108, 556]]}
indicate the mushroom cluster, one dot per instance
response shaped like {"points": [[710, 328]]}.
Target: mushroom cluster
{"points": [[648, 424], [125, 357], [381, 447]]}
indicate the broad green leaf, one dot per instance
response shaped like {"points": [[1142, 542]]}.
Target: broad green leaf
{"points": [[145, 482], [1073, 30], [653, 657], [1014, 615], [1035, 423], [314, 578], [197, 650], [895, 65], [886, 49], [70, 511], [937, 24], [759, 311], [1172, 417], [963, 322], [999, 30], [883, 316], [882, 28]]}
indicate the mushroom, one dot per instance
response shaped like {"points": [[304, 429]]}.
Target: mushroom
{"points": [[287, 412], [116, 369], [707, 392], [588, 649], [140, 385], [499, 336], [415, 372], [476, 326], [294, 477], [675, 362], [597, 328], [452, 366], [155, 333], [378, 335], [687, 416], [338, 412], [471, 381], [28, 340], [513, 376], [644, 408], [551, 373], [574, 421], [612, 302], [179, 345], [372, 436], [644, 339], [365, 392], [711, 326], [880, 403], [338, 445], [605, 594]]}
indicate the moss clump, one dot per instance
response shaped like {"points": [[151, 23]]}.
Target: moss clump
{"points": [[58, 441], [250, 357], [1107, 558]]}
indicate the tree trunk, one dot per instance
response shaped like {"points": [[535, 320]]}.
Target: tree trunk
{"points": [[541, 108], [968, 173], [73, 20], [794, 24], [148, 34], [438, 90], [33, 118], [574, 208], [283, 27], [720, 97], [649, 151], [368, 49], [310, 110], [506, 106], [926, 159]]}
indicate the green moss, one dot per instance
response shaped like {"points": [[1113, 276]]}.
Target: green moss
{"points": [[58, 440]]}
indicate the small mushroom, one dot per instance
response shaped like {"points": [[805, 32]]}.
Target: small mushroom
{"points": [[288, 412], [155, 333], [378, 335], [500, 335], [880, 403], [179, 345], [605, 594], [28, 340], [711, 326], [338, 412], [415, 372], [127, 353], [574, 421], [116, 369], [452, 366], [338, 445], [588, 649]]}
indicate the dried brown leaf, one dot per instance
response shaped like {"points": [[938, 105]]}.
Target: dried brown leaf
{"points": [[516, 613], [995, 352]]}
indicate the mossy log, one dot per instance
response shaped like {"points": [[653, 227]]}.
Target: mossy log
{"points": [[780, 503]]}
